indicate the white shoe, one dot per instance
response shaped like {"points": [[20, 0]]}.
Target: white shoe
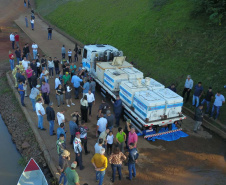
{"points": [[72, 104], [68, 105]]}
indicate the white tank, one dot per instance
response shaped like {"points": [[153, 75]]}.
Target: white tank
{"points": [[148, 105], [133, 73], [174, 102], [113, 78], [128, 89], [152, 84]]}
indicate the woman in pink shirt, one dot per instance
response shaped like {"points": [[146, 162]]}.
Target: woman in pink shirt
{"points": [[133, 138], [11, 60], [29, 72]]}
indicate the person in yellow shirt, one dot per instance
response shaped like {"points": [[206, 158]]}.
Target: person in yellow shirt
{"points": [[100, 164]]}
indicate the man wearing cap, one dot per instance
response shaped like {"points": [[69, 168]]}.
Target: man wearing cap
{"points": [[76, 83], [78, 150], [72, 175], [207, 99], [50, 118], [101, 124], [22, 92], [100, 163], [34, 93], [63, 164], [60, 131], [187, 87], [219, 100], [45, 91], [132, 138], [40, 111], [197, 94], [117, 109]]}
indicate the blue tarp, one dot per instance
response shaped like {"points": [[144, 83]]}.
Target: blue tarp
{"points": [[166, 137]]}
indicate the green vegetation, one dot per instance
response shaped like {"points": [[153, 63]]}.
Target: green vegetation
{"points": [[23, 161], [161, 37]]}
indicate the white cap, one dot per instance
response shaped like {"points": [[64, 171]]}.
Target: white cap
{"points": [[37, 86]]}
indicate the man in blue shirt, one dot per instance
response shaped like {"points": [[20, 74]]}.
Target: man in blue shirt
{"points": [[76, 82], [85, 87], [22, 92], [219, 100], [117, 109], [197, 94], [60, 131], [187, 87]]}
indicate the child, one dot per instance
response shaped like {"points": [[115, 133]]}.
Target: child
{"points": [[110, 138]]}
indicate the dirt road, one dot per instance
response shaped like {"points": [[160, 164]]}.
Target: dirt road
{"points": [[198, 159]]}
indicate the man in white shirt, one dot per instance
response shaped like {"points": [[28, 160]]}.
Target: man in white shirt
{"points": [[25, 63], [187, 87], [35, 49], [61, 117], [40, 111], [101, 124], [57, 81], [12, 39], [78, 150], [91, 101]]}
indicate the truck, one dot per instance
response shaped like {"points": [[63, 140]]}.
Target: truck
{"points": [[146, 102]]}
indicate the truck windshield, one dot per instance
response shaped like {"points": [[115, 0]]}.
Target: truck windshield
{"points": [[85, 53]]}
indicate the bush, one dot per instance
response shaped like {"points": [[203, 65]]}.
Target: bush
{"points": [[214, 9]]}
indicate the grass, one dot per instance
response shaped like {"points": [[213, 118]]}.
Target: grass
{"points": [[159, 36]]}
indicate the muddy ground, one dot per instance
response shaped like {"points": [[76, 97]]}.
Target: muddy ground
{"points": [[199, 159]]}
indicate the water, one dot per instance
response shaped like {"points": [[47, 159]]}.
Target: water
{"points": [[10, 170]]}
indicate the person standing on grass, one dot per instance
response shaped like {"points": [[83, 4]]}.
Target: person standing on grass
{"points": [[92, 86], [83, 136], [84, 108], [187, 87], [63, 51], [78, 150], [50, 29], [60, 95], [22, 92], [17, 38], [110, 141], [73, 128], [116, 159], [29, 72], [40, 111], [101, 125], [18, 55], [45, 92], [51, 67], [11, 60], [117, 110], [197, 94], [34, 93], [12, 39], [35, 50], [68, 95], [110, 119], [91, 101], [60, 130], [172, 88], [219, 100], [72, 175], [63, 164], [56, 64], [61, 117], [26, 21], [32, 24], [120, 139], [69, 53], [198, 118], [50, 118], [100, 163], [207, 100], [132, 160], [76, 82], [133, 138]]}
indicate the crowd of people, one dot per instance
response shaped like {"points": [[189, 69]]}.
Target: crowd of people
{"points": [[33, 76]]}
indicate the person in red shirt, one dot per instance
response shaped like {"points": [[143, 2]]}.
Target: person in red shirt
{"points": [[17, 39], [11, 60]]}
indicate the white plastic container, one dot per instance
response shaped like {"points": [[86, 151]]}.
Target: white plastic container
{"points": [[133, 73], [152, 84], [148, 105], [174, 102], [128, 89], [113, 78]]}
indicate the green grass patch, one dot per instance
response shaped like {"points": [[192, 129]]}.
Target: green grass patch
{"points": [[160, 37]]}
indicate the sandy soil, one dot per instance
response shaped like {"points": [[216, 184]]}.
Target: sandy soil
{"points": [[198, 159]]}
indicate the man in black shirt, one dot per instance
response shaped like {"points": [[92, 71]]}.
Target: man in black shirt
{"points": [[34, 80], [18, 55], [34, 66], [103, 107], [50, 117], [56, 64], [43, 62], [172, 88], [207, 99], [50, 33]]}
